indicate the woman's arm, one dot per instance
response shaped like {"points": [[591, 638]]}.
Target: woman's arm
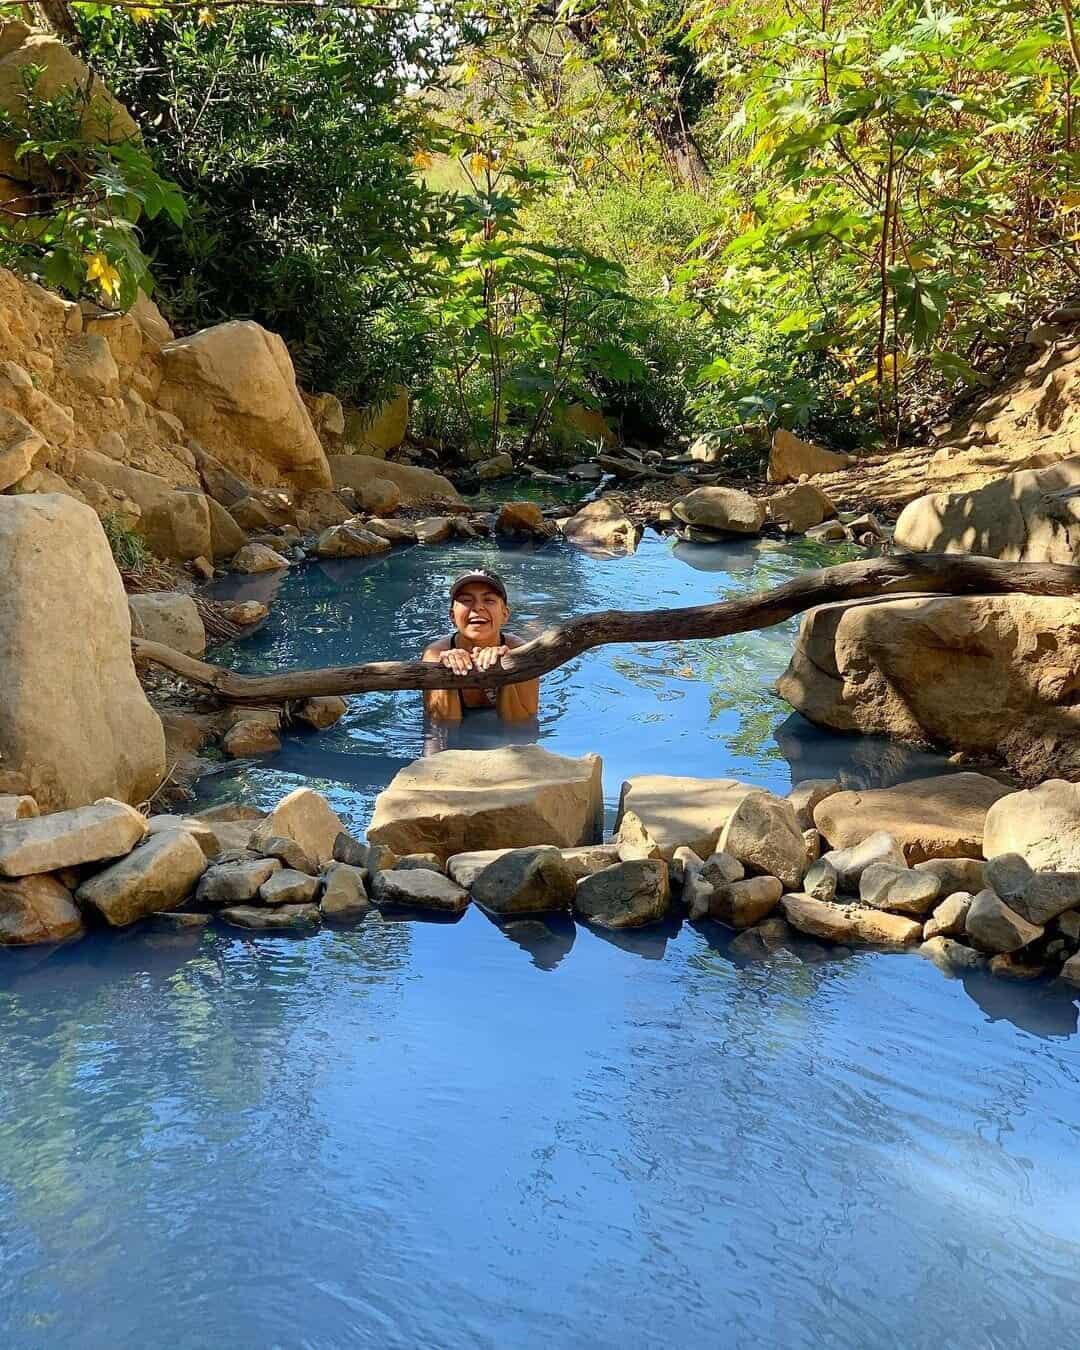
{"points": [[445, 704], [518, 702]]}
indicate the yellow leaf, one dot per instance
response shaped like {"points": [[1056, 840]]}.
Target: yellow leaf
{"points": [[101, 270], [422, 160], [920, 260], [1070, 201], [142, 15], [206, 18]]}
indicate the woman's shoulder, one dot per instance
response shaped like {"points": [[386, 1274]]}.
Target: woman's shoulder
{"points": [[437, 647]]}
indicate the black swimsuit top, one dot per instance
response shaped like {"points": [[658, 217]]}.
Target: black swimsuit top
{"points": [[490, 695]]}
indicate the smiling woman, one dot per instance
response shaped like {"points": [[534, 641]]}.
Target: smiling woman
{"points": [[479, 607]]}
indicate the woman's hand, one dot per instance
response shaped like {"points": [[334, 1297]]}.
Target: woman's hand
{"points": [[487, 658], [457, 661]]}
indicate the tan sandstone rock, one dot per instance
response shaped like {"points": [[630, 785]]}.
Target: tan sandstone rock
{"points": [[602, 526], [76, 723], [801, 507], [37, 909], [719, 508], [20, 446], [659, 813], [350, 540], [763, 834], [940, 817], [849, 923], [790, 458], [379, 428], [1042, 825], [17, 807], [418, 487], [512, 797], [84, 834], [233, 386], [307, 817], [256, 558], [169, 617], [158, 875]]}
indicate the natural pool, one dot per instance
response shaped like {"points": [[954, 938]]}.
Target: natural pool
{"points": [[457, 1135]]}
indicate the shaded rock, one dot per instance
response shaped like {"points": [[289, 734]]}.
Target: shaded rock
{"points": [[37, 909], [1014, 966], [15, 806], [1041, 824], [521, 518], [525, 881], [801, 507], [805, 796], [321, 712], [886, 886], [255, 558], [20, 446], [289, 853], [158, 875], [1047, 895], [393, 531], [76, 725], [350, 540], [464, 868], [346, 849], [228, 883], [720, 868], [718, 508], [199, 830], [628, 895], [850, 863], [821, 880], [178, 921], [993, 927], [289, 887], [658, 813], [344, 896], [380, 858], [234, 388], [949, 919], [790, 457], [426, 862], [763, 834], [226, 536], [602, 526], [940, 817], [742, 903], [828, 532], [812, 845], [379, 496], [498, 466], [84, 834], [952, 956], [432, 530], [1008, 876], [419, 889], [1070, 971], [278, 918], [256, 735], [849, 923], [379, 427], [418, 487], [306, 817], [955, 874], [510, 797], [684, 863], [590, 858]]}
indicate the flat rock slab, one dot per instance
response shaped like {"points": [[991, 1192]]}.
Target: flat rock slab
{"points": [[659, 813], [84, 834], [460, 801], [276, 918], [849, 923], [414, 888], [940, 817], [37, 909], [158, 875]]}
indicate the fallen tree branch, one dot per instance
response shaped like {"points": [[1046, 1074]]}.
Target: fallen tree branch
{"points": [[903, 573]]}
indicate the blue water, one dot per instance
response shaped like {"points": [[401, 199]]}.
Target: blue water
{"points": [[460, 1135]]}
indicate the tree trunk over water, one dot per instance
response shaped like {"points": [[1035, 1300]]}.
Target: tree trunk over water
{"points": [[905, 573]]}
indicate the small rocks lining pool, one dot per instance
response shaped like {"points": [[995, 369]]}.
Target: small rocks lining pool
{"points": [[710, 849]]}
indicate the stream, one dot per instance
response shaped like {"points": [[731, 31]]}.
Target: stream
{"points": [[456, 1134]]}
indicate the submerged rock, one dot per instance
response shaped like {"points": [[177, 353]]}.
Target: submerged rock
{"points": [[86, 834], [273, 918], [512, 797], [628, 895], [158, 875], [525, 881], [952, 956]]}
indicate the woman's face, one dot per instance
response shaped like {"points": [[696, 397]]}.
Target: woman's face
{"points": [[478, 612]]}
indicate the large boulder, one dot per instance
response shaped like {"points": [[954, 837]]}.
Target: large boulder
{"points": [[1042, 825], [462, 800], [175, 523], [75, 722], [307, 817], [659, 813], [602, 527], [417, 486], [790, 458], [158, 875], [37, 909], [719, 508], [985, 674], [234, 388], [1029, 516], [169, 617], [940, 817], [380, 427]]}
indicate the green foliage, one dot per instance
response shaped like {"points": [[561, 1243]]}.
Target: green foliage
{"points": [[77, 226], [291, 136], [129, 549]]}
